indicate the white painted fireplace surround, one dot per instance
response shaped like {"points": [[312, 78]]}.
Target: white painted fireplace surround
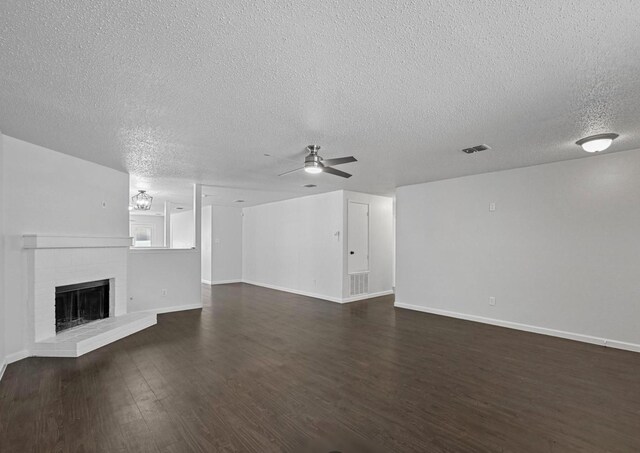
{"points": [[65, 260]]}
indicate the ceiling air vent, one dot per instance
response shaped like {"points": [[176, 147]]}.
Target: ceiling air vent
{"points": [[475, 149]]}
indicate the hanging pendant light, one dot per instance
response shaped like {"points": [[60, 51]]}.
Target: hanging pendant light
{"points": [[141, 201]]}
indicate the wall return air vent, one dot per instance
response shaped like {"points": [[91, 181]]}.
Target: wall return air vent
{"points": [[359, 284], [476, 149]]}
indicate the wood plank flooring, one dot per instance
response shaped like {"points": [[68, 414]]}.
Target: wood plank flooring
{"points": [[259, 370]]}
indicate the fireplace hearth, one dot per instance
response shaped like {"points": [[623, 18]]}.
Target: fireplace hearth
{"points": [[81, 303]]}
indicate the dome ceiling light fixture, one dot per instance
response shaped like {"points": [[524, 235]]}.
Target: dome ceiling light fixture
{"points": [[141, 201], [596, 143]]}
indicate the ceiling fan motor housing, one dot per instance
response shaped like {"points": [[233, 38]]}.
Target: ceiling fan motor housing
{"points": [[312, 159], [315, 164]]}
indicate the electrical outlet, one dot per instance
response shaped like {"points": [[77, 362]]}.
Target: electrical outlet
{"points": [[163, 292], [492, 300], [492, 207]]}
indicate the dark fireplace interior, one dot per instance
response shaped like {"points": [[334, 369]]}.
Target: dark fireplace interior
{"points": [[81, 303]]}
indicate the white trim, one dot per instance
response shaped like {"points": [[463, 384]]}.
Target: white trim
{"points": [[221, 282], [2, 369], [526, 327], [337, 300], [17, 356], [347, 300], [172, 309], [295, 291], [368, 269]]}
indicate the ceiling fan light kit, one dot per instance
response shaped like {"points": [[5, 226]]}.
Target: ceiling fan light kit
{"points": [[314, 163]]}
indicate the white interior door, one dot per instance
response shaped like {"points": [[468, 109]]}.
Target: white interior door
{"points": [[358, 237]]}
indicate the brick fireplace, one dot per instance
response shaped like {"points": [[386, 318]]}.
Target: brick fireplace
{"points": [[60, 261]]}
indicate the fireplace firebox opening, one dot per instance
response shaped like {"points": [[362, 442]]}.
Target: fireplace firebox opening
{"points": [[81, 303]]}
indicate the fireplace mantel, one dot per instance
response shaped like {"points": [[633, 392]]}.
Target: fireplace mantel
{"points": [[39, 241]]}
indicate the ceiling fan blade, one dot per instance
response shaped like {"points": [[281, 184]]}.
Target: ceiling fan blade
{"points": [[333, 171], [338, 161], [290, 171]]}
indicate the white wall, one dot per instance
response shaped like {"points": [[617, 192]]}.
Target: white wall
{"points": [[381, 242], [221, 244], [176, 271], [156, 222], [182, 230], [2, 302], [207, 251], [46, 192], [561, 252], [292, 245]]}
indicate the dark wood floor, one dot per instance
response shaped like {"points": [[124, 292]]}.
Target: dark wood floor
{"points": [[259, 370]]}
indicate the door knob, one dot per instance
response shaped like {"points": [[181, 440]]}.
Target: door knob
{"points": [[351, 252]]}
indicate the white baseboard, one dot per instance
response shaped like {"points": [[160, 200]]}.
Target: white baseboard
{"points": [[346, 300], [221, 282], [337, 300], [295, 291], [2, 369], [17, 356], [174, 308], [526, 327]]}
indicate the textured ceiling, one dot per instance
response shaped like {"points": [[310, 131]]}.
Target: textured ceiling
{"points": [[178, 92]]}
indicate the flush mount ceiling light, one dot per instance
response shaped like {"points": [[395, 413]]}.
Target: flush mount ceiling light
{"points": [[596, 143], [239, 201], [142, 201]]}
